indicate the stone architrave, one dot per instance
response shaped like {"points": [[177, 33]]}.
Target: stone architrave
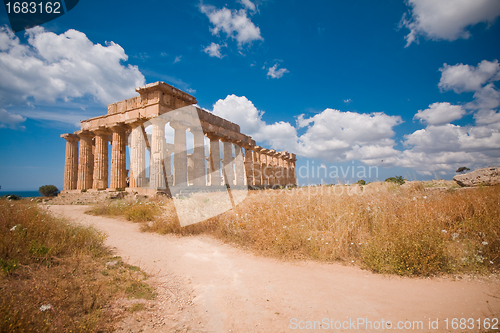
{"points": [[85, 161], [180, 153], [215, 175], [118, 157], [156, 168], [100, 178], [71, 164]]}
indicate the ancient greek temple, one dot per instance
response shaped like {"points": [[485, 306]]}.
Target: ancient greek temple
{"points": [[193, 158]]}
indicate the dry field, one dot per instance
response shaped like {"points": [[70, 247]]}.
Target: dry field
{"points": [[418, 229], [56, 276]]}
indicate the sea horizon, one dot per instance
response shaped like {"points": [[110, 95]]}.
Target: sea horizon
{"points": [[22, 194]]}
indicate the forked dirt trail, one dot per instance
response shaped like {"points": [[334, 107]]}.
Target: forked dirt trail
{"points": [[235, 291]]}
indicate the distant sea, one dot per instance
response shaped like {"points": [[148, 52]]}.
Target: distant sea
{"points": [[22, 194]]}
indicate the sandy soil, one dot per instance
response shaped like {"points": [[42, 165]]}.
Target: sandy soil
{"points": [[205, 285]]}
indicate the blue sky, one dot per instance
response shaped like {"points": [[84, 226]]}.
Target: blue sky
{"points": [[409, 87]]}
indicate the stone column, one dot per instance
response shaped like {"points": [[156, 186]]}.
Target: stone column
{"points": [[180, 153], [71, 163], [208, 171], [278, 169], [101, 159], [137, 156], [85, 161], [198, 157], [228, 162], [264, 161], [293, 174], [239, 165], [214, 160], [286, 178], [256, 166], [190, 170], [249, 165], [118, 157], [169, 149], [271, 166], [156, 167]]}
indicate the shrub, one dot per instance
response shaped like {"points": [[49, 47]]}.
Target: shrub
{"points": [[396, 180], [462, 170], [361, 182], [48, 190]]}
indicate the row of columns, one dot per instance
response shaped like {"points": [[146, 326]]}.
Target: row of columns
{"points": [[86, 164]]}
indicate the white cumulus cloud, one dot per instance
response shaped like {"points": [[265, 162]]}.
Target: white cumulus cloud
{"points": [[234, 23], [248, 4], [213, 50], [331, 135], [447, 19], [9, 120], [276, 73], [65, 66], [440, 113]]}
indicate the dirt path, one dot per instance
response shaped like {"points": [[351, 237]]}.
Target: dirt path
{"points": [[234, 291]]}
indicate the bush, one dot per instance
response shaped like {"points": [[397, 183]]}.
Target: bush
{"points": [[396, 180], [462, 170], [48, 190], [361, 182]]}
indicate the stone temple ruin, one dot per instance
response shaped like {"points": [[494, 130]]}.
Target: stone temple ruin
{"points": [[157, 166]]}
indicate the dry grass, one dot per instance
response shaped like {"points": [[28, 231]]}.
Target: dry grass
{"points": [[57, 276], [405, 230]]}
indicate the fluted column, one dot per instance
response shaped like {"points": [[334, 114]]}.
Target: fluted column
{"points": [[100, 179], [293, 174], [228, 162], [208, 171], [85, 161], [198, 157], [71, 163], [156, 168], [271, 167], [137, 156], [180, 153], [256, 166], [278, 175], [264, 161], [118, 157], [214, 160], [249, 165], [239, 165], [286, 178]]}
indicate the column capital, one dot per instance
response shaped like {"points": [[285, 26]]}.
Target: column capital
{"points": [[70, 137], [257, 148], [102, 131], [84, 134], [271, 152], [293, 157], [212, 136], [226, 139], [118, 128], [179, 125], [264, 151], [137, 122]]}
